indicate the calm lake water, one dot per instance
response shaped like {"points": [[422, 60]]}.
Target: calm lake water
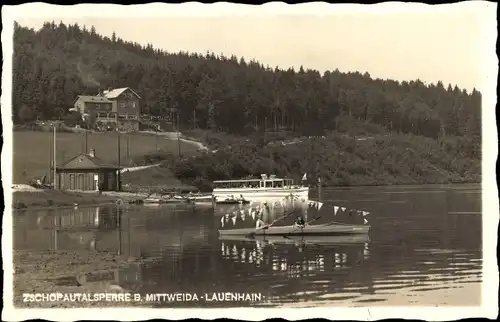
{"points": [[424, 248]]}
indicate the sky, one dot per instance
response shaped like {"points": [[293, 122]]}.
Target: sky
{"points": [[445, 45]]}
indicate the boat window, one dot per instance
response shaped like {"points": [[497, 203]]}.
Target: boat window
{"points": [[248, 184], [252, 185], [269, 184], [278, 184]]}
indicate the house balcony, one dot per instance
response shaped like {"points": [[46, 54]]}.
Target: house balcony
{"points": [[106, 117]]}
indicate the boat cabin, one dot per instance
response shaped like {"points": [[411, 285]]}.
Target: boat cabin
{"points": [[262, 183]]}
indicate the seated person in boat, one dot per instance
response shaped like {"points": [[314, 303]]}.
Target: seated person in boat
{"points": [[300, 222], [259, 222], [228, 221]]}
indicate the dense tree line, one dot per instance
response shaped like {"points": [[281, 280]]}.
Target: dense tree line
{"points": [[338, 160], [229, 94]]}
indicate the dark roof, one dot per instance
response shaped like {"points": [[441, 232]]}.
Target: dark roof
{"points": [[93, 99], [85, 161]]}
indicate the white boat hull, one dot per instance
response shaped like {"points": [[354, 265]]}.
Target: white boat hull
{"points": [[261, 194]]}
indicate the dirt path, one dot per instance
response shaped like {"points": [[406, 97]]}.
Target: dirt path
{"points": [[173, 136], [139, 168]]}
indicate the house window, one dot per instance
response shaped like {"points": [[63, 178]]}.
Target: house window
{"points": [[72, 182], [133, 104], [80, 182], [122, 105]]}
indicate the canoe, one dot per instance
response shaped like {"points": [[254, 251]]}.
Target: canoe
{"points": [[324, 229], [304, 240]]}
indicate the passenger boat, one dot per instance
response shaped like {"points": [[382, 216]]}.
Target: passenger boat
{"points": [[323, 229], [265, 188], [305, 240]]}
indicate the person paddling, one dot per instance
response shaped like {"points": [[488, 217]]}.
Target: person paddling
{"points": [[300, 222], [259, 222]]}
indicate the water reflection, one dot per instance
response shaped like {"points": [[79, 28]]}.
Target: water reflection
{"points": [[416, 250]]}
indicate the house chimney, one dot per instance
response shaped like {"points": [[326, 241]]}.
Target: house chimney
{"points": [[92, 153]]}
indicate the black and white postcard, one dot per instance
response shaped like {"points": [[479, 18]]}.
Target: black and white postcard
{"points": [[237, 161]]}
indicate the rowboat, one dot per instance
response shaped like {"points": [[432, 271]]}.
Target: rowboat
{"points": [[324, 229], [304, 240]]}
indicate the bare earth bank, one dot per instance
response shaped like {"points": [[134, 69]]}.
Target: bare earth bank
{"points": [[62, 271]]}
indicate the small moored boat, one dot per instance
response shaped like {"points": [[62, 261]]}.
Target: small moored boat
{"points": [[160, 201], [323, 229], [196, 198]]}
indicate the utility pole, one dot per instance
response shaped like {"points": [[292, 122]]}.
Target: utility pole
{"points": [[49, 178], [178, 135], [86, 142], [128, 144], [118, 176], [156, 138], [55, 162]]}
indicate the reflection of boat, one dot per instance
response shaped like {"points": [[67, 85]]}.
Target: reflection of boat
{"points": [[307, 240], [259, 189], [324, 229]]}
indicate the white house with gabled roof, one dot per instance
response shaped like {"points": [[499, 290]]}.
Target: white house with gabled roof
{"points": [[120, 106]]}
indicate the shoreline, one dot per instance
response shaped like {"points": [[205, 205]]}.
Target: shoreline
{"points": [[50, 199], [54, 271]]}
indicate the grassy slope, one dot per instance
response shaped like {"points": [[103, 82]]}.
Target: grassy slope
{"points": [[31, 149]]}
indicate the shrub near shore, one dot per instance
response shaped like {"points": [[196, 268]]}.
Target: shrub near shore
{"points": [[341, 160]]}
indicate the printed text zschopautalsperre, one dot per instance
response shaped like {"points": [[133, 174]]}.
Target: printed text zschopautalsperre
{"points": [[136, 297]]}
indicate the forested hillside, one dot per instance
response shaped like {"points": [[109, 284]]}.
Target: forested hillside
{"points": [[428, 132], [58, 62]]}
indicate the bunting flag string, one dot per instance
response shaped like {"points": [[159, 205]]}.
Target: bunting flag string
{"points": [[365, 213], [366, 221], [315, 204]]}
